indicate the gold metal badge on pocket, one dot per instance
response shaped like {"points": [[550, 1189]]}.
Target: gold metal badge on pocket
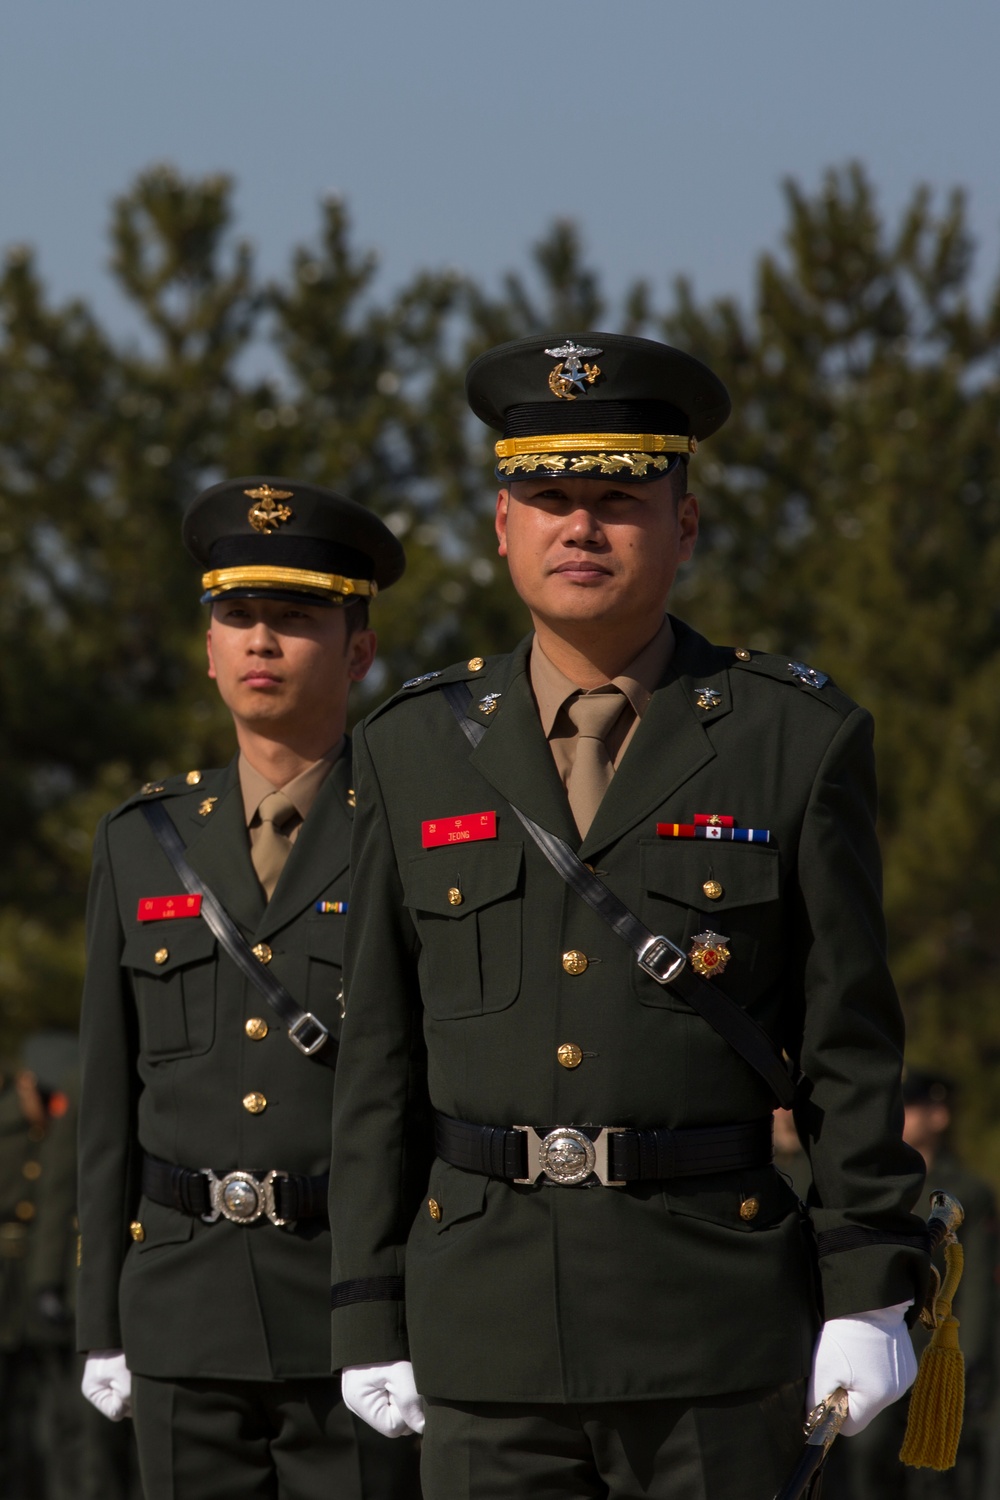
{"points": [[708, 954]]}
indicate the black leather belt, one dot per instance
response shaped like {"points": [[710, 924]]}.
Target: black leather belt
{"points": [[241, 1197], [613, 1155]]}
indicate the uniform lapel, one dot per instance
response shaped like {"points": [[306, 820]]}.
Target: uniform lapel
{"points": [[514, 755], [218, 850], [320, 853], [670, 744]]}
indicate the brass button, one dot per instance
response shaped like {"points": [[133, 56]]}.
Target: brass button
{"points": [[476, 664], [254, 1104], [161, 955], [193, 778], [712, 889], [25, 1210], [32, 1170], [137, 1232], [455, 897], [352, 800], [575, 962], [569, 1055], [434, 1209], [742, 654], [749, 1209], [256, 1028], [263, 952]]}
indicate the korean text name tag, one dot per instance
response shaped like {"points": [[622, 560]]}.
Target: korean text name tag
{"points": [[160, 908], [464, 830]]}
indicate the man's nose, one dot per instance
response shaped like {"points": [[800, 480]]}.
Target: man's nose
{"points": [[583, 526], [262, 641]]}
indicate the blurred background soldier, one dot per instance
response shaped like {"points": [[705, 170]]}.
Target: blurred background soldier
{"points": [[39, 1403], [209, 1029], [869, 1468]]}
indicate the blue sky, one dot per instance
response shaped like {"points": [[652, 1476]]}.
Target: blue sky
{"points": [[457, 131]]}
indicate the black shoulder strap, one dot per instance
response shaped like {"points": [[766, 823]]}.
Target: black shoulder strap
{"points": [[657, 956], [305, 1031]]}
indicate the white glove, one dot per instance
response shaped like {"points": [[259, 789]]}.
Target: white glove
{"points": [[384, 1396], [871, 1356], [107, 1383]]}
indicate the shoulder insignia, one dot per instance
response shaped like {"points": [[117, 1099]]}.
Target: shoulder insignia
{"points": [[809, 680], [807, 675], [183, 782], [413, 689]]}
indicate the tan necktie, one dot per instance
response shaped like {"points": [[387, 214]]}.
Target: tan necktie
{"points": [[272, 846], [593, 715]]}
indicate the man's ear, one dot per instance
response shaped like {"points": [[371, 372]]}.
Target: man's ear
{"points": [[360, 654], [503, 500], [687, 520], [208, 648]]}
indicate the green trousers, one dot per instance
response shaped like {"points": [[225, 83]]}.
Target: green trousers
{"points": [[739, 1447], [249, 1439]]}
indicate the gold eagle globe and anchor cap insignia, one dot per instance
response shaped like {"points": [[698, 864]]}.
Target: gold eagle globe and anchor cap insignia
{"points": [[267, 513], [636, 415], [709, 954], [572, 375], [325, 549]]}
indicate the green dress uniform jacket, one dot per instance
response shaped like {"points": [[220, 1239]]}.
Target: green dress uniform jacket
{"points": [[167, 1064], [662, 1288]]}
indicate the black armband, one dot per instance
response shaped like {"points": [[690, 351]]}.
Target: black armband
{"points": [[367, 1289], [853, 1237]]}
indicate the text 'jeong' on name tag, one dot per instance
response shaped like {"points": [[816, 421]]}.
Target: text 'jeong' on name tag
{"points": [[464, 830]]}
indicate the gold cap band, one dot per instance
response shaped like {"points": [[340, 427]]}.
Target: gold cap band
{"points": [[299, 579], [581, 442]]}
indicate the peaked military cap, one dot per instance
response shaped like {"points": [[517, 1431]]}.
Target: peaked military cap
{"points": [[593, 404], [264, 537], [920, 1087]]}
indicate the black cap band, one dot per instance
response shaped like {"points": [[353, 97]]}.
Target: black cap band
{"points": [[308, 553], [533, 418]]}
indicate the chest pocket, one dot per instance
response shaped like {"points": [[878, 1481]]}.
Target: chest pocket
{"points": [[323, 942], [173, 976], [466, 903], [677, 876]]}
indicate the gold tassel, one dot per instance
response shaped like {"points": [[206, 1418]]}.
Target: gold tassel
{"points": [[934, 1425]]}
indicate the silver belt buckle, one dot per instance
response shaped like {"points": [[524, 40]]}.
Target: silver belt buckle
{"points": [[241, 1198], [308, 1033], [653, 959], [568, 1157]]}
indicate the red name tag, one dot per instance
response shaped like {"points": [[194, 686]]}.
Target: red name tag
{"points": [[159, 908], [463, 830]]}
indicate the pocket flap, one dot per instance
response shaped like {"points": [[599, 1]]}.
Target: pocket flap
{"points": [[183, 941], [162, 1226], [323, 937], [461, 1195], [680, 869], [478, 874]]}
